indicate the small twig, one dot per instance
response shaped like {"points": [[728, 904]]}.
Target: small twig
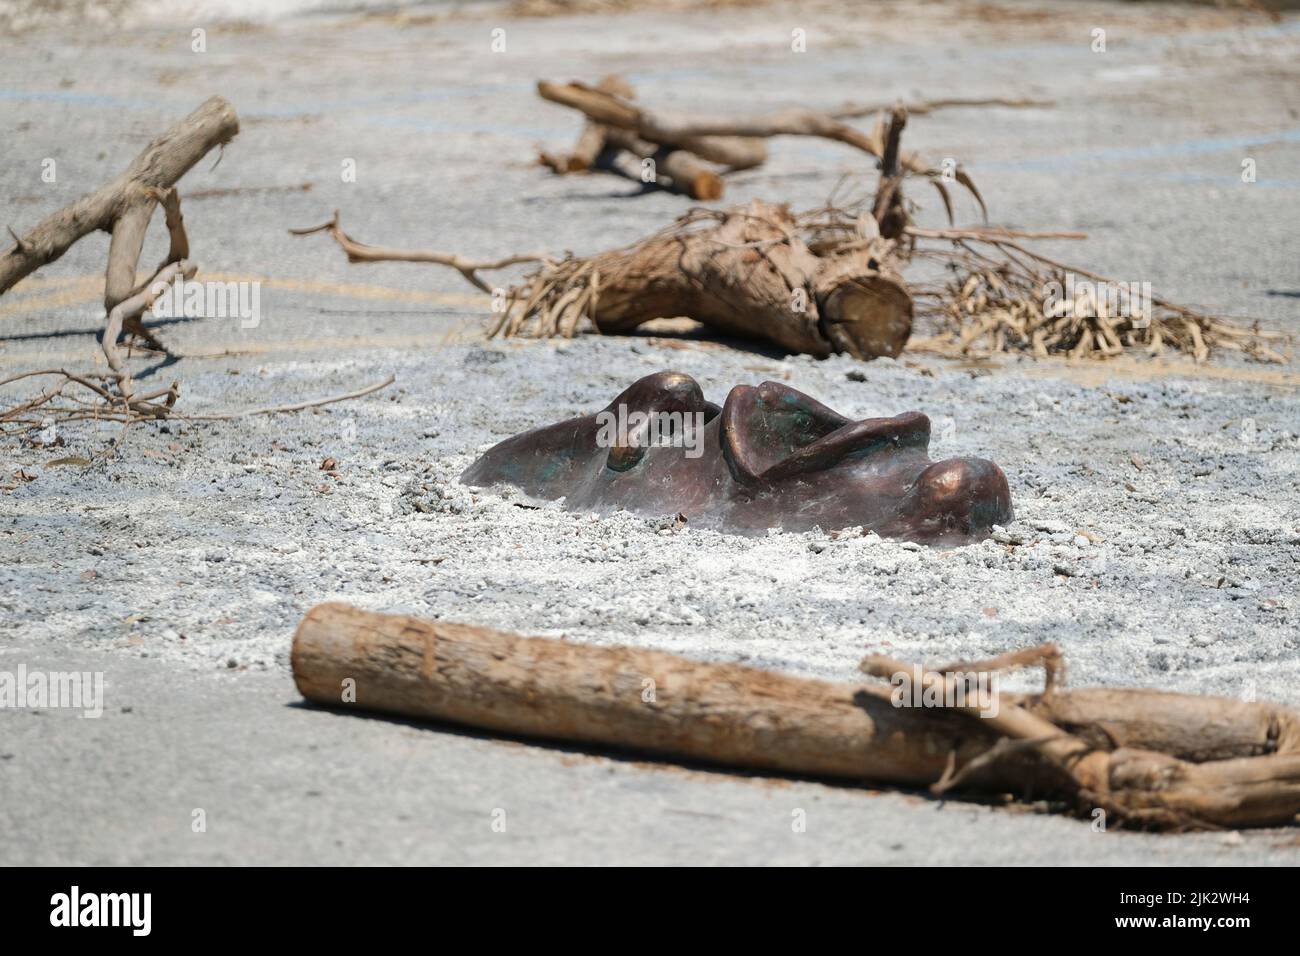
{"points": [[990, 234], [1049, 655], [1060, 748], [278, 409], [853, 111]]}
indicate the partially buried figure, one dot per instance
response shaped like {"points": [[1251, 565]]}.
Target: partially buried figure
{"points": [[770, 457]]}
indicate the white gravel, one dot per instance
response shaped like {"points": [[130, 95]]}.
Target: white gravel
{"points": [[1155, 536]]}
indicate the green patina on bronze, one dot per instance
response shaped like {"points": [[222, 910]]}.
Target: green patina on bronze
{"points": [[770, 457]]}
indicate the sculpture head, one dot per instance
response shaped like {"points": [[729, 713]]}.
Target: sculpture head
{"points": [[770, 457]]}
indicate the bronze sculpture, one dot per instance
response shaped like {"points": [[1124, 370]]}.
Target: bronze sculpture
{"points": [[770, 457]]}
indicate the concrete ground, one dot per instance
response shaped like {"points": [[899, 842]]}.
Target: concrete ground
{"points": [[179, 568]]}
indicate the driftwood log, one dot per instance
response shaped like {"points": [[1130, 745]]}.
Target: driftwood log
{"points": [[744, 272], [1147, 758]]}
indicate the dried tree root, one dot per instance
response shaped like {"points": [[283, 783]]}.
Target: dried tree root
{"points": [[996, 302], [731, 715], [743, 272]]}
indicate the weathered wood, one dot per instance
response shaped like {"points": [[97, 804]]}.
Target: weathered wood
{"points": [[678, 169], [699, 133], [607, 108], [125, 202], [590, 144], [1180, 725], [540, 687], [728, 714], [748, 275]]}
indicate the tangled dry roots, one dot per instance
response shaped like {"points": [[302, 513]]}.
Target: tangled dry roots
{"points": [[1003, 297]]}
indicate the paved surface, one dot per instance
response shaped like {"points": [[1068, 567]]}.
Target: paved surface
{"points": [[201, 545], [281, 783]]}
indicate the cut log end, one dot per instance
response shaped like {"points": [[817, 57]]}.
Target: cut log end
{"points": [[867, 316], [706, 186]]}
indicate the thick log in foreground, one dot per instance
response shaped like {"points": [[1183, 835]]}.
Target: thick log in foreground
{"points": [[1090, 749]]}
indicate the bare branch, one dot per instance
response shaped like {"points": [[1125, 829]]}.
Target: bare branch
{"points": [[360, 252]]}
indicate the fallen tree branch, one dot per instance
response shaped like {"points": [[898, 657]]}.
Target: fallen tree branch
{"points": [[606, 107], [675, 168], [123, 202], [469, 268], [731, 715], [684, 131], [692, 133], [123, 208], [132, 307]]}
